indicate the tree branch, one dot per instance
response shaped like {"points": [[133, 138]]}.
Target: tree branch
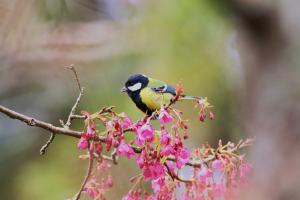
{"points": [[76, 134], [38, 123], [88, 173], [176, 177], [73, 110]]}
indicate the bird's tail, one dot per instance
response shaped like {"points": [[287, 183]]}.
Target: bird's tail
{"points": [[188, 97]]}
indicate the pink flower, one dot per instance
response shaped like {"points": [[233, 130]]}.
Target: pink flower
{"points": [[157, 184], [132, 195], [182, 157], [92, 192], [185, 135], [115, 143], [157, 170], [90, 132], [165, 137], [175, 127], [167, 150], [141, 159], [218, 190], [244, 170], [164, 117], [211, 115], [145, 133], [109, 126], [202, 116], [217, 165], [104, 165], [151, 197], [126, 122], [177, 141], [153, 171], [204, 173], [125, 150], [91, 189], [147, 172], [108, 143], [83, 143], [98, 148], [109, 181]]}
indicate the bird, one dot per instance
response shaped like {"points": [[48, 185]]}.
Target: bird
{"points": [[150, 94]]}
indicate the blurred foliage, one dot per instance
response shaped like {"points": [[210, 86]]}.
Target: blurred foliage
{"points": [[52, 10], [169, 40]]}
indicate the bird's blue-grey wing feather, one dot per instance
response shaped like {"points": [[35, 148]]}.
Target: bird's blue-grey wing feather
{"points": [[161, 87], [165, 89]]}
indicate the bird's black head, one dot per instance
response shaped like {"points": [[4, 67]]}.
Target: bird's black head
{"points": [[135, 83]]}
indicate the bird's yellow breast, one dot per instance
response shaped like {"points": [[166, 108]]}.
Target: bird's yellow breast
{"points": [[153, 100]]}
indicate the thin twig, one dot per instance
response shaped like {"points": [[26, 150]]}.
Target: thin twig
{"points": [[71, 115], [115, 157], [78, 117], [192, 164], [175, 176], [169, 171], [108, 109], [81, 89], [179, 92], [73, 110], [50, 140], [88, 174], [72, 68]]}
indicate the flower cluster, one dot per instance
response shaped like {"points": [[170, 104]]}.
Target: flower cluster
{"points": [[204, 109], [161, 155], [221, 171], [98, 184]]}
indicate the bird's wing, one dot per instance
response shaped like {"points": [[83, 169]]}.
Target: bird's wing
{"points": [[161, 87]]}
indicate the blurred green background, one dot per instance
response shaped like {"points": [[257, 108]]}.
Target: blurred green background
{"points": [[228, 51]]}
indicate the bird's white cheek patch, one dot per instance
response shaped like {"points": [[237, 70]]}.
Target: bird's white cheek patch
{"points": [[135, 87]]}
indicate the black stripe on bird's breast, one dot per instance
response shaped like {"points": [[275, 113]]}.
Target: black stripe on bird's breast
{"points": [[136, 98]]}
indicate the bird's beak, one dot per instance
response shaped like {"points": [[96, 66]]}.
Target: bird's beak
{"points": [[124, 89]]}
